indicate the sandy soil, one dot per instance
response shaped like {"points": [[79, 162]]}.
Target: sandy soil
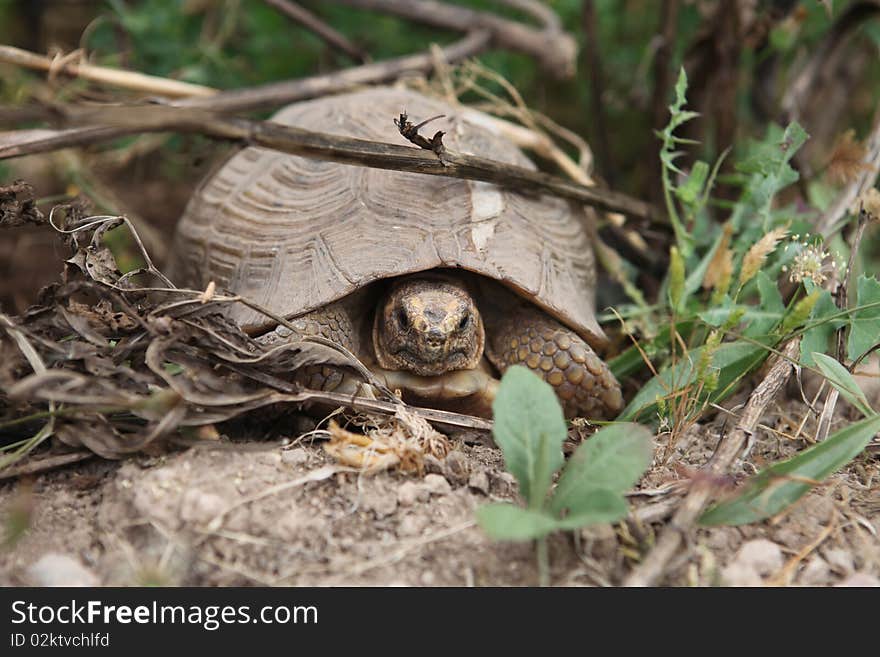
{"points": [[257, 513]]}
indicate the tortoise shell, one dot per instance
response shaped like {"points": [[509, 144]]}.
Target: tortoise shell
{"points": [[294, 234]]}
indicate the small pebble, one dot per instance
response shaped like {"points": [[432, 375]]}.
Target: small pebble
{"points": [[815, 573], [479, 481], [410, 492], [861, 580], [55, 569], [761, 555], [840, 560], [437, 484], [411, 526], [737, 574]]}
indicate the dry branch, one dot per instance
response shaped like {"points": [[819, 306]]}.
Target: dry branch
{"points": [[311, 22], [111, 76], [554, 49], [122, 121], [276, 94], [730, 447]]}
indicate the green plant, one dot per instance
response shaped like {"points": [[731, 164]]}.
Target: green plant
{"points": [[530, 429], [722, 312]]}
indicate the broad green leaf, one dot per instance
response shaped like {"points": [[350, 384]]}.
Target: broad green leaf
{"points": [[598, 507], [817, 337], [733, 360], [864, 330], [530, 429], [751, 315], [506, 522], [780, 485], [612, 459], [840, 378], [772, 307]]}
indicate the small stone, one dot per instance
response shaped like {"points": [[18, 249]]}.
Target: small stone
{"points": [[297, 456], [737, 574], [861, 580], [479, 481], [761, 555], [437, 484], [427, 578], [411, 526], [815, 573], [200, 507], [840, 560], [410, 492], [55, 569], [456, 467]]}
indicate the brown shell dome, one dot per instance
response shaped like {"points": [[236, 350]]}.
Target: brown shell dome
{"points": [[294, 234]]}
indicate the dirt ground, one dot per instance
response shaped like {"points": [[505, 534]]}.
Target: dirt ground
{"points": [[280, 513]]}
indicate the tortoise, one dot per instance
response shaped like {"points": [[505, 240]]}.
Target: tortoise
{"points": [[437, 284]]}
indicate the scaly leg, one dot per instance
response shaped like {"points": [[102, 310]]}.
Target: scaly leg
{"points": [[333, 322], [582, 381]]}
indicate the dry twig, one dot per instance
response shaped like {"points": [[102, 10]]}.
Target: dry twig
{"points": [[110, 76], [554, 49], [311, 22], [121, 121]]}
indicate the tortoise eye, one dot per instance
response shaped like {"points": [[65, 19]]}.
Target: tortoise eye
{"points": [[465, 320], [402, 318]]}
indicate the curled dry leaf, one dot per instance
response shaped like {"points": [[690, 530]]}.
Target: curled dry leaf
{"points": [[126, 365]]}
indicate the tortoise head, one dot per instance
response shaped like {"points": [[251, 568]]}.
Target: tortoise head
{"points": [[427, 326]]}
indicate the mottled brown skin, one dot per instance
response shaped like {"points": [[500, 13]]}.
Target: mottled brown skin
{"points": [[428, 326], [429, 338]]}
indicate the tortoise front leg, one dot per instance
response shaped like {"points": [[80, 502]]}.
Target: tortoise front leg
{"points": [[333, 322], [582, 381]]}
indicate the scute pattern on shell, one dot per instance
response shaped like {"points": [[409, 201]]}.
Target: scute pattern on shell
{"points": [[294, 234]]}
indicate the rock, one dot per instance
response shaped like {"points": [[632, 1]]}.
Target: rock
{"points": [[55, 569], [437, 484], [410, 492], [761, 555], [411, 526], [298, 456], [815, 573], [861, 580], [840, 560], [738, 574], [479, 481], [456, 467]]}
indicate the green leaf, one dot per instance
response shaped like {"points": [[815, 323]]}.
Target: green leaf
{"points": [[733, 360], [843, 381], [530, 429], [689, 191], [612, 460], [598, 507], [782, 484], [822, 328], [771, 305], [506, 522], [864, 330]]}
